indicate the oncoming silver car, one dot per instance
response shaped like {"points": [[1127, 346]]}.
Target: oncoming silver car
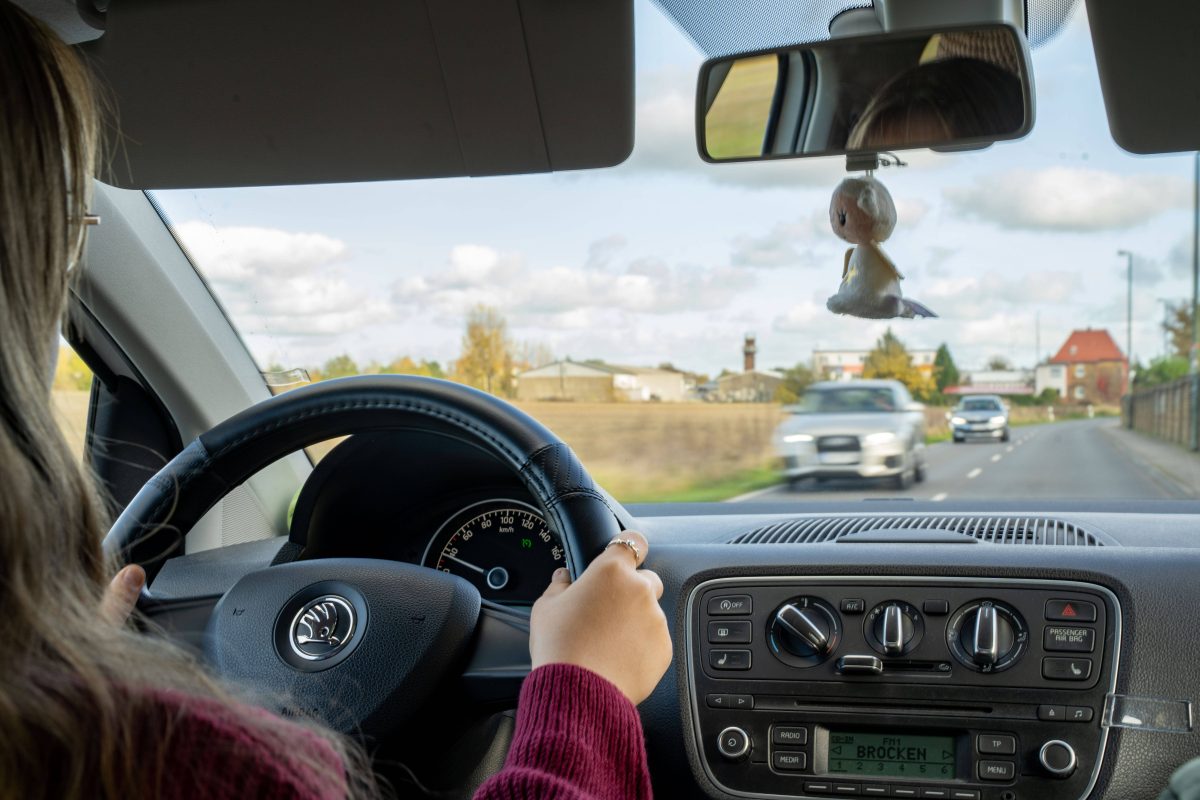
{"points": [[979, 417], [858, 429]]}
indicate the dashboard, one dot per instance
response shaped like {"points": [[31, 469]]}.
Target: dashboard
{"points": [[858, 649]]}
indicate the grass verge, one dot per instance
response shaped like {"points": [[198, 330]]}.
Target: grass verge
{"points": [[705, 491]]}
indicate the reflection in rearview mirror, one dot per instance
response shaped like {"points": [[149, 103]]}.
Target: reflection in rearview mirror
{"points": [[954, 88]]}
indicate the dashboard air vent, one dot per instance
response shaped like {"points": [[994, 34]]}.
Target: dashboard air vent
{"points": [[995, 530]]}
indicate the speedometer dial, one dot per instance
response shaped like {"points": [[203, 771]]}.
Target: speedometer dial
{"points": [[504, 547]]}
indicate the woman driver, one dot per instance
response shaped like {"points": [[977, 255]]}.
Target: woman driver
{"points": [[91, 709]]}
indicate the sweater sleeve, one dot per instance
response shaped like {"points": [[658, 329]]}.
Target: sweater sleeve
{"points": [[577, 738]]}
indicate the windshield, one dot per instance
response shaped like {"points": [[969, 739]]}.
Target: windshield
{"points": [[981, 404], [849, 401], [665, 316]]}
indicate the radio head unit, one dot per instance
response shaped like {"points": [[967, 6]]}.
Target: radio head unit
{"points": [[963, 689]]}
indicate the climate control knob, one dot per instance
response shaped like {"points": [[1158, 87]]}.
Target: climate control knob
{"points": [[804, 631], [894, 628], [987, 636]]}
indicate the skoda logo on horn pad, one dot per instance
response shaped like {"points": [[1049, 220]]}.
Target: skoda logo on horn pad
{"points": [[322, 628]]}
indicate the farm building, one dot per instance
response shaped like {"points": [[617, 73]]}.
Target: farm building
{"points": [[594, 382]]}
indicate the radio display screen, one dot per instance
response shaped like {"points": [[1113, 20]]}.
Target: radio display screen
{"points": [[893, 754]]}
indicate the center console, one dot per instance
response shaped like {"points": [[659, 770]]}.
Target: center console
{"points": [[959, 689]]}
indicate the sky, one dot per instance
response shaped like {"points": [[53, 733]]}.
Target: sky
{"points": [[668, 259]]}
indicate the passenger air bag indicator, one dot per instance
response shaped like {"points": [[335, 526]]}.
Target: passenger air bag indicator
{"points": [[1063, 639]]}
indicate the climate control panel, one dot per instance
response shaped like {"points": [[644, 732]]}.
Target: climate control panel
{"points": [[976, 689]]}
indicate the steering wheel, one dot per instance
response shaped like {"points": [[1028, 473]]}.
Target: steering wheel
{"points": [[362, 642]]}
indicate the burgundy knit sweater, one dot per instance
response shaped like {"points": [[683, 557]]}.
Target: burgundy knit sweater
{"points": [[577, 738]]}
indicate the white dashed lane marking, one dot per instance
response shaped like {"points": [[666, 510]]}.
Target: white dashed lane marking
{"points": [[939, 497], [996, 458], [975, 473]]}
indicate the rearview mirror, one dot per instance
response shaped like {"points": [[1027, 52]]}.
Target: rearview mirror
{"points": [[957, 88]]}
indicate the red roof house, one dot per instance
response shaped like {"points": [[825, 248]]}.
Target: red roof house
{"points": [[1096, 369]]}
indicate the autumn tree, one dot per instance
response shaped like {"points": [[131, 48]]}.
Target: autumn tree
{"points": [[999, 363], [486, 361], [891, 359], [796, 381], [945, 371], [339, 367], [407, 366], [1179, 327]]}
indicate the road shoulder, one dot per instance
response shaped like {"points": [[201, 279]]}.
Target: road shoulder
{"points": [[1176, 469]]}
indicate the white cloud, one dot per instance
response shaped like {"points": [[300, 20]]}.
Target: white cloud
{"points": [[280, 282], [786, 244], [1068, 199], [558, 294]]}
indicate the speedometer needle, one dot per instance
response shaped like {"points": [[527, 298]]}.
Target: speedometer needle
{"points": [[467, 564]]}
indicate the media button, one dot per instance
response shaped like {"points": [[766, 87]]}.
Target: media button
{"points": [[905, 791], [871, 790], [818, 787], [1070, 611], [1079, 714], [1066, 669], [935, 791], [728, 604], [841, 789], [729, 659], [788, 735], [996, 744], [997, 770], [789, 760], [964, 794]]}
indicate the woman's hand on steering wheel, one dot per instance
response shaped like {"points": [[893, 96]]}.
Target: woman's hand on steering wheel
{"points": [[607, 621], [121, 595]]}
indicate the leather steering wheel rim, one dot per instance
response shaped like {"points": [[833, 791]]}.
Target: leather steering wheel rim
{"points": [[216, 462]]}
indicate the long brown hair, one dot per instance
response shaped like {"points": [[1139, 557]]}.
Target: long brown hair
{"points": [[86, 709]]}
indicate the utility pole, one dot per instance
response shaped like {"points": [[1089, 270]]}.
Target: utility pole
{"points": [[1128, 307]]}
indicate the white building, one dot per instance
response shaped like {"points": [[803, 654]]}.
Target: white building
{"points": [[1050, 376], [600, 383], [847, 365]]}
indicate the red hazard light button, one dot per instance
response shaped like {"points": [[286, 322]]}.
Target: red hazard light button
{"points": [[1070, 611]]}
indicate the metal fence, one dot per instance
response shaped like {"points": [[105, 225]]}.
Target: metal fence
{"points": [[1167, 411]]}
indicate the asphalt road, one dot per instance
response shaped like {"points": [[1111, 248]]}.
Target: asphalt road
{"points": [[1064, 460]]}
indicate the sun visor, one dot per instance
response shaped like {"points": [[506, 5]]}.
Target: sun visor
{"points": [[235, 93], [1147, 57]]}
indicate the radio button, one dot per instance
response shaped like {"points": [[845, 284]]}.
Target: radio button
{"points": [[874, 791], [1079, 714], [730, 604], [789, 760], [1052, 713], [1066, 669], [935, 791], [905, 791], [1062, 639], [729, 659], [964, 794], [731, 632], [789, 736], [1070, 611], [997, 770], [818, 787], [841, 789], [990, 744]]}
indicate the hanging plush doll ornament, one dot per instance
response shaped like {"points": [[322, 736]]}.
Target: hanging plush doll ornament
{"points": [[862, 213]]}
